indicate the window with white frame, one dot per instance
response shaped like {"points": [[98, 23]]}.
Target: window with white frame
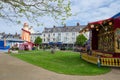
{"points": [[73, 33], [48, 35], [44, 35], [53, 34], [44, 40]]}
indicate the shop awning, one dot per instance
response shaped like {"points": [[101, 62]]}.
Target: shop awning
{"points": [[57, 43], [51, 43]]}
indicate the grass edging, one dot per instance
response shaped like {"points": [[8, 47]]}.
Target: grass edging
{"points": [[63, 62]]}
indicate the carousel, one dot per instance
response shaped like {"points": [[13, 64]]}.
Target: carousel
{"points": [[104, 42]]}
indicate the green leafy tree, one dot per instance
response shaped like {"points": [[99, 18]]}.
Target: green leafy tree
{"points": [[34, 10], [80, 40], [38, 41]]}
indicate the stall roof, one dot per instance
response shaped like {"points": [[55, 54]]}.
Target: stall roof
{"points": [[100, 21], [115, 18], [117, 15]]}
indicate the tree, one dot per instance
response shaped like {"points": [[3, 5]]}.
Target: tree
{"points": [[13, 10], [38, 41], [80, 40]]}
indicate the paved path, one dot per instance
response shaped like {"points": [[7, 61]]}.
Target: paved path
{"points": [[14, 69]]}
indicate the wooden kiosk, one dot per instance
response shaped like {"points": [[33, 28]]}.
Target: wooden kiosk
{"points": [[104, 41]]}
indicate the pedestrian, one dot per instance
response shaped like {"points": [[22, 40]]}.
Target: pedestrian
{"points": [[53, 49], [89, 50]]}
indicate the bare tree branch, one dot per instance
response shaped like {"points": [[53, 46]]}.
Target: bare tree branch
{"points": [[33, 9]]}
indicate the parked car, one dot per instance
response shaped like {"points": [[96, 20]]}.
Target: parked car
{"points": [[62, 48], [80, 49]]}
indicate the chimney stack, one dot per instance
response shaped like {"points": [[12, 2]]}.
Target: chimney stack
{"points": [[64, 25], [54, 26], [25, 24], [78, 24]]}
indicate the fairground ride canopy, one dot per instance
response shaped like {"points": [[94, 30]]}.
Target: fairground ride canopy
{"points": [[114, 21]]}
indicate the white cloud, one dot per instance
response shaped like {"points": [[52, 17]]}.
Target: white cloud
{"points": [[93, 10], [9, 27]]}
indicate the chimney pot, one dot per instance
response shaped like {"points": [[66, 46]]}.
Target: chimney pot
{"points": [[78, 24], [64, 25], [54, 26]]}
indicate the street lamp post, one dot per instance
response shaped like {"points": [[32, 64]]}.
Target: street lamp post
{"points": [[73, 45]]}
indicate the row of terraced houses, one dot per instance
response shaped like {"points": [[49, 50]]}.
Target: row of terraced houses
{"points": [[57, 34], [60, 34]]}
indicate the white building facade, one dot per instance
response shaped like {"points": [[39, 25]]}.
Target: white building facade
{"points": [[33, 36], [65, 34], [64, 37]]}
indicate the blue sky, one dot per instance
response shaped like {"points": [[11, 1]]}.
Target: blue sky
{"points": [[83, 11]]}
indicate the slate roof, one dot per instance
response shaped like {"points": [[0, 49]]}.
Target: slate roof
{"points": [[17, 36], [36, 33], [64, 29]]}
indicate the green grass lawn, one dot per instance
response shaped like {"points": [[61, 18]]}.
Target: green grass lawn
{"points": [[64, 62]]}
